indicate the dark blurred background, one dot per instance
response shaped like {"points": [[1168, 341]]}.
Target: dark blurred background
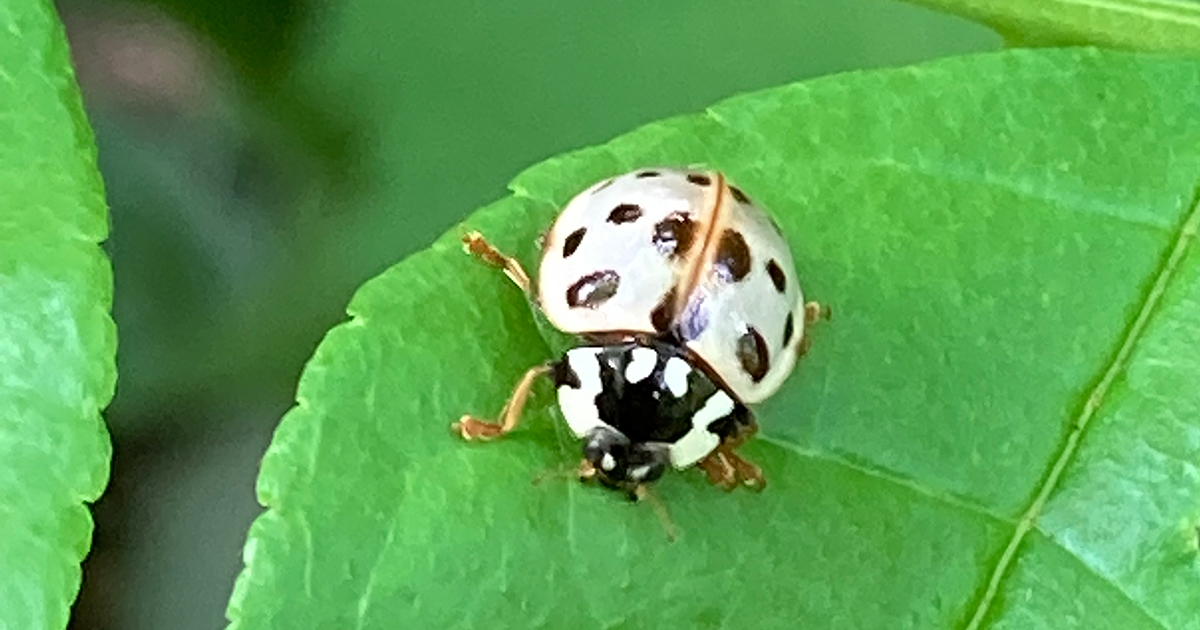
{"points": [[263, 159]]}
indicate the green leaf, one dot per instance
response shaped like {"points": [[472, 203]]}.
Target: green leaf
{"points": [[1147, 25], [57, 340], [999, 428]]}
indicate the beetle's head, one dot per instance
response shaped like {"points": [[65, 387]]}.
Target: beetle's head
{"points": [[621, 464]]}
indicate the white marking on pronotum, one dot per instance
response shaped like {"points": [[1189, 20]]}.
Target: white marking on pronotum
{"points": [[640, 365], [700, 441], [579, 404], [608, 462], [676, 375]]}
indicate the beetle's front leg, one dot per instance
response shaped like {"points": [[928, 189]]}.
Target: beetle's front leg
{"points": [[472, 428]]}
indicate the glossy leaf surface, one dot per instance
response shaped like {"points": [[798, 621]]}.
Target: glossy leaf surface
{"points": [[999, 428]]}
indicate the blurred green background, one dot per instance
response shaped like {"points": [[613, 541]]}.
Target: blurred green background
{"points": [[265, 158]]}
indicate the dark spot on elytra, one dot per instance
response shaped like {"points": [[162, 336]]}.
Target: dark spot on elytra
{"points": [[572, 241], [753, 354], [593, 289], [644, 174], [663, 315], [777, 276], [625, 213], [789, 327], [674, 235], [699, 180], [733, 256], [739, 195]]}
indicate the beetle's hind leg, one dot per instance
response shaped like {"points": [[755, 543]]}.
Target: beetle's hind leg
{"points": [[476, 245], [472, 428]]}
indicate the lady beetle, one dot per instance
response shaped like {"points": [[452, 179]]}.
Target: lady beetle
{"points": [[686, 300]]}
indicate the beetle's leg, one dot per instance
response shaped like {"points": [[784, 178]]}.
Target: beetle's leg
{"points": [[471, 428], [584, 472], [748, 474], [728, 470], [476, 245], [813, 313], [718, 470], [725, 468]]}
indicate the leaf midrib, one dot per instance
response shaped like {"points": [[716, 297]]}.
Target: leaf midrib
{"points": [[1061, 21], [1184, 236], [1164, 10]]}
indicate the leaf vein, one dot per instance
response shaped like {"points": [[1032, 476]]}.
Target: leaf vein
{"points": [[1183, 240], [889, 478], [1054, 193], [1166, 11], [364, 600]]}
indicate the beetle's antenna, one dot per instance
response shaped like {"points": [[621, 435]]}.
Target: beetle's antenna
{"points": [[642, 491], [583, 472]]}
